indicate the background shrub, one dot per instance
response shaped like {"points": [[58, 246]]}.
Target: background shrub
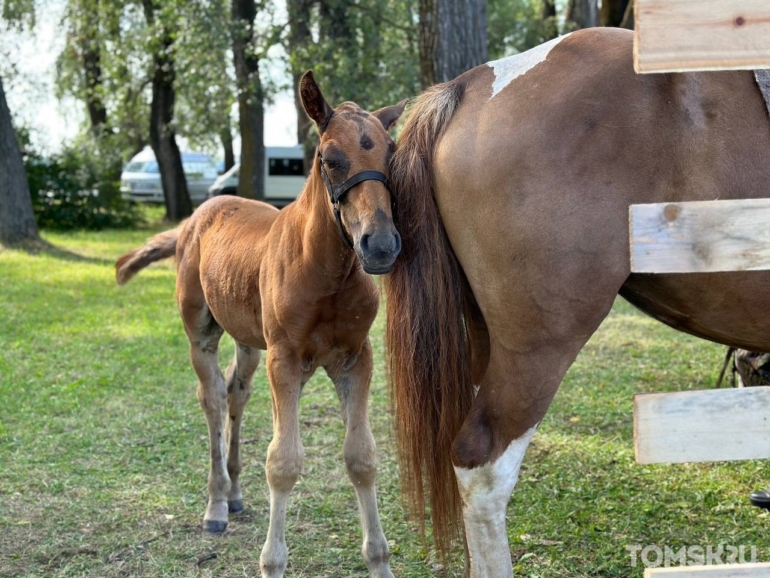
{"points": [[78, 188]]}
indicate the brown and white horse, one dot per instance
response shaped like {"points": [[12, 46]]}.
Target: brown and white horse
{"points": [[294, 283], [513, 185]]}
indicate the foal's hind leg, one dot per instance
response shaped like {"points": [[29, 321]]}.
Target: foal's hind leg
{"points": [[352, 385], [204, 334], [284, 455], [239, 385]]}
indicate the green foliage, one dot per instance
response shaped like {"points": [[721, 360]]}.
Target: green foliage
{"points": [[19, 13], [514, 26], [365, 51], [77, 189], [205, 73], [118, 31]]}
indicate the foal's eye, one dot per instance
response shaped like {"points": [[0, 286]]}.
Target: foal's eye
{"points": [[332, 165]]}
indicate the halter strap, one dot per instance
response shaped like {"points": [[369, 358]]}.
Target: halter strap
{"points": [[337, 193]]}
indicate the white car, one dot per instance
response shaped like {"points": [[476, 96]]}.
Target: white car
{"points": [[140, 180], [284, 176]]}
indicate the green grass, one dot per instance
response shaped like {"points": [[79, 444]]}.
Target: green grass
{"points": [[103, 455]]}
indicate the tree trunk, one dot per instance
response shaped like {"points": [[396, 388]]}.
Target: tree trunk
{"points": [[90, 50], [583, 13], [548, 17], [226, 136], [453, 38], [251, 181], [162, 134], [628, 17], [299, 38], [612, 12], [17, 219]]}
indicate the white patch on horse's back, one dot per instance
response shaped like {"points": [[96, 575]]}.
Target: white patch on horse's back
{"points": [[485, 492], [510, 68]]}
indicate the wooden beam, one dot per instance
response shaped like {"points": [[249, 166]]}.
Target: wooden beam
{"points": [[702, 426], [700, 237], [680, 35], [714, 571]]}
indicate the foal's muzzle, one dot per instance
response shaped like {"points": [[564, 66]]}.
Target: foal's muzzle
{"points": [[377, 250]]}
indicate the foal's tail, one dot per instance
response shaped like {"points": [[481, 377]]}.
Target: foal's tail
{"points": [[427, 332], [159, 247]]}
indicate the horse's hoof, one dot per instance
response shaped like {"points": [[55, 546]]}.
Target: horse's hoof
{"points": [[235, 506], [761, 499], [214, 527]]}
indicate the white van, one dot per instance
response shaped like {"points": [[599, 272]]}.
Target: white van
{"points": [[284, 176], [140, 179]]}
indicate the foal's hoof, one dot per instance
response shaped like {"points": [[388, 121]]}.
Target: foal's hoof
{"points": [[761, 499], [214, 527], [235, 506]]}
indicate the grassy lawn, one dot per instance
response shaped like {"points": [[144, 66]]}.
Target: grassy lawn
{"points": [[103, 454]]}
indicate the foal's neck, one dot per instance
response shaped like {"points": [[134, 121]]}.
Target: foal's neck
{"points": [[322, 246]]}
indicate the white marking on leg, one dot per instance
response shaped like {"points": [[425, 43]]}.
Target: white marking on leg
{"points": [[485, 492], [510, 68]]}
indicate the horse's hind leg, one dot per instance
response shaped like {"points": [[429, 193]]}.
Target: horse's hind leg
{"points": [[352, 385], [239, 385], [524, 372], [204, 334], [284, 455]]}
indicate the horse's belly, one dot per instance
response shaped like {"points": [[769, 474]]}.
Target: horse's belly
{"points": [[728, 308], [234, 301]]}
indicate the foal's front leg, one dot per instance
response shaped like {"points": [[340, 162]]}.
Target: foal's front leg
{"points": [[284, 455], [352, 385]]}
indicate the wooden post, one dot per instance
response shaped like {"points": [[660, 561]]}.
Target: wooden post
{"points": [[716, 571], [700, 237], [702, 426], [680, 35]]}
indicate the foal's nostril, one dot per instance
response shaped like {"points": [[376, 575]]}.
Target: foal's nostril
{"points": [[364, 242], [397, 248]]}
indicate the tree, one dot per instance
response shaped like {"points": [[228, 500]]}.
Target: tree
{"points": [[582, 14], [206, 92], [453, 38], [17, 220], [162, 133], [612, 12], [628, 17], [251, 112], [364, 50], [549, 20], [298, 43], [517, 25]]}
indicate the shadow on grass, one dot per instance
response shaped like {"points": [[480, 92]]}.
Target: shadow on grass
{"points": [[43, 247]]}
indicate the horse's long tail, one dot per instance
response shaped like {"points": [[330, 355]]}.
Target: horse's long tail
{"points": [[427, 334], [159, 247]]}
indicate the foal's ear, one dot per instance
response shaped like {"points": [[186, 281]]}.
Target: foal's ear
{"points": [[389, 115], [313, 101]]}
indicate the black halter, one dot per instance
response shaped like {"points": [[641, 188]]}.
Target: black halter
{"points": [[337, 193]]}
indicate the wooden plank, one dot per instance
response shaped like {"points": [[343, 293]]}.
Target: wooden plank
{"points": [[679, 35], [714, 571], [702, 426], [700, 236]]}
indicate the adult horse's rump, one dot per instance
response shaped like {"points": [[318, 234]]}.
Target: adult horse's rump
{"points": [[513, 185]]}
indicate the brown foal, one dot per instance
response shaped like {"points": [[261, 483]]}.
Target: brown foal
{"points": [[294, 283]]}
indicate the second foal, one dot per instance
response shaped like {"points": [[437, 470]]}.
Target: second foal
{"points": [[294, 283]]}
